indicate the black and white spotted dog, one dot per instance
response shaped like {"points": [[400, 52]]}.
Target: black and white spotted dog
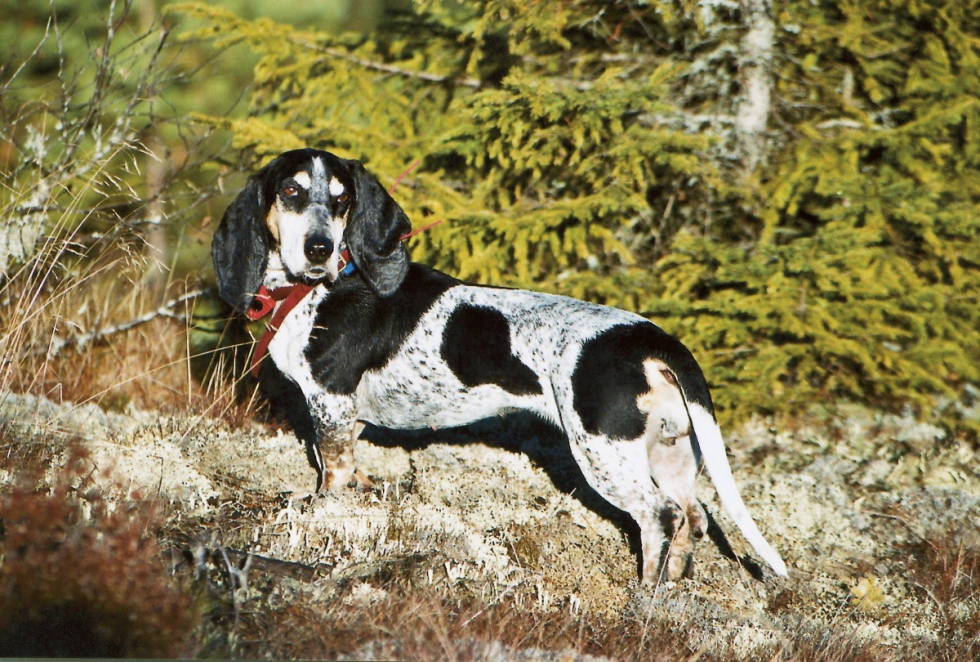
{"points": [[377, 339]]}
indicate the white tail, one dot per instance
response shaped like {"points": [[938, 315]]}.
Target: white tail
{"points": [[714, 458]]}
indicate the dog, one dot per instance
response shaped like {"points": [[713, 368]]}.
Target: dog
{"points": [[370, 337]]}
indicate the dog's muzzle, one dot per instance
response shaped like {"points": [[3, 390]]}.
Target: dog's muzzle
{"points": [[318, 248]]}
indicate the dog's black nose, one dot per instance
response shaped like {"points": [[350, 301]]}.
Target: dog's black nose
{"points": [[317, 248]]}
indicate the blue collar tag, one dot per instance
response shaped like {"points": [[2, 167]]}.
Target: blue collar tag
{"points": [[346, 260]]}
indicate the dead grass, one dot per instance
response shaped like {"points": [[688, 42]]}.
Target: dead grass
{"points": [[141, 364], [397, 614], [945, 565], [401, 616]]}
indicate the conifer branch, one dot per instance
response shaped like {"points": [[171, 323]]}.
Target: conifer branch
{"points": [[397, 71]]}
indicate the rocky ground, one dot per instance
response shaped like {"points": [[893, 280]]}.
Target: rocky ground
{"points": [[488, 545]]}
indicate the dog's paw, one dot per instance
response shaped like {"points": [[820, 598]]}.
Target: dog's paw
{"points": [[360, 482]]}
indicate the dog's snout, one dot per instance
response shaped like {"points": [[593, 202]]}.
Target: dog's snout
{"points": [[317, 248]]}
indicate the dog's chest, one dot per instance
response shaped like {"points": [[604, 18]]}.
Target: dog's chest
{"points": [[288, 347]]}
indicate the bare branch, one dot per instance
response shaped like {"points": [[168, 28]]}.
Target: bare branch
{"points": [[841, 123], [81, 340], [30, 58]]}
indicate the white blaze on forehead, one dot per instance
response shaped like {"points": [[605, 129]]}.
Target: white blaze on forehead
{"points": [[303, 179], [336, 187], [319, 169]]}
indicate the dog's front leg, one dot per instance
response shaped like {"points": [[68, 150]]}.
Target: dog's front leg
{"points": [[336, 429]]}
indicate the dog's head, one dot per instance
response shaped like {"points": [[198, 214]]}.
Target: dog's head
{"points": [[295, 216]]}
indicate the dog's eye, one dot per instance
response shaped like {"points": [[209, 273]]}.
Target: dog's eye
{"points": [[343, 198], [290, 190]]}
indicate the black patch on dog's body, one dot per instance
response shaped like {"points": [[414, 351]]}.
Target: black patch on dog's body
{"points": [[476, 347], [609, 377], [356, 330]]}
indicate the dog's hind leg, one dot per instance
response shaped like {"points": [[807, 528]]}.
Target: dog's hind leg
{"points": [[673, 469], [673, 465], [619, 471]]}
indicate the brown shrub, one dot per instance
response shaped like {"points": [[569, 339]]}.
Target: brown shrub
{"points": [[81, 576]]}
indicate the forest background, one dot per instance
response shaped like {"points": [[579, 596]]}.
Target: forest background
{"points": [[791, 188]]}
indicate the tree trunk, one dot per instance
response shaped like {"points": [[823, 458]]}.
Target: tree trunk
{"points": [[752, 115]]}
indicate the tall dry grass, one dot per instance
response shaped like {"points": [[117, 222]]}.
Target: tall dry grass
{"points": [[109, 337]]}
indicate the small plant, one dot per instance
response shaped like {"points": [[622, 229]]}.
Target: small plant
{"points": [[867, 594]]}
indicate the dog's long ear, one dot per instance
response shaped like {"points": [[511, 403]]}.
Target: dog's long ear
{"points": [[374, 233], [240, 247]]}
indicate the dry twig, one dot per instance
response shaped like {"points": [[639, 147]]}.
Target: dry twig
{"points": [[81, 340]]}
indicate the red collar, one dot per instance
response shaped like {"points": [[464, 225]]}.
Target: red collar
{"points": [[282, 300]]}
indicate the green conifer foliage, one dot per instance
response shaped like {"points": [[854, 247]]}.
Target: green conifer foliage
{"points": [[587, 148], [861, 282]]}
